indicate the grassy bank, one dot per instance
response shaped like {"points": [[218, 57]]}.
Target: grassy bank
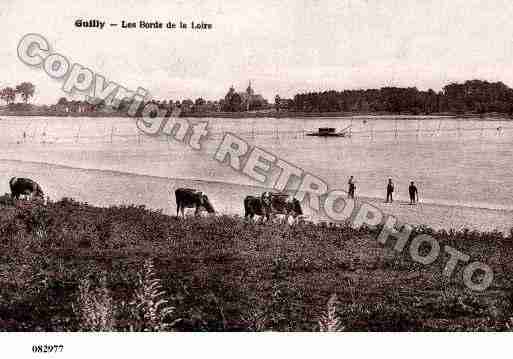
{"points": [[70, 266]]}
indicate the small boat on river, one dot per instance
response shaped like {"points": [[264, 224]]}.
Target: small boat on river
{"points": [[331, 132]]}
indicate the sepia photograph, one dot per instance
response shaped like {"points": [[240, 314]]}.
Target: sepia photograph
{"points": [[272, 169]]}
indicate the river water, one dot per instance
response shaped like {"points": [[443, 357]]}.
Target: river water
{"points": [[453, 161]]}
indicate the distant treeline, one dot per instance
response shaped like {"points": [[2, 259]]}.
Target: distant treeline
{"points": [[474, 96], [471, 97]]}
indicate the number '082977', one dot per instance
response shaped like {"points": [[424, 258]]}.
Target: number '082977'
{"points": [[46, 348]]}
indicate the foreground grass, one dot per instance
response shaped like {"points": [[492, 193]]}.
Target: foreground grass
{"points": [[68, 266]]}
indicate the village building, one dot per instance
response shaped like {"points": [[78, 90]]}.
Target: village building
{"points": [[244, 101]]}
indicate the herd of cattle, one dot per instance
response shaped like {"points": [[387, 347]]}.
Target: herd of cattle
{"points": [[266, 206]]}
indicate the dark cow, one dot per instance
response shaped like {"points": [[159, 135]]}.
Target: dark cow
{"points": [[25, 186], [191, 198], [253, 206], [280, 203]]}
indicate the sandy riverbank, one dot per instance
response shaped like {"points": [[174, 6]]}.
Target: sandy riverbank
{"points": [[106, 188]]}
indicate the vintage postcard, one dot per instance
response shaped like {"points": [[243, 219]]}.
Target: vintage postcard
{"points": [[265, 166]]}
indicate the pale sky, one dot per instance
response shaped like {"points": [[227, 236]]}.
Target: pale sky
{"points": [[284, 47]]}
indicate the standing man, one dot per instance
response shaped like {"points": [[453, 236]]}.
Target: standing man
{"points": [[414, 193], [352, 187], [390, 190]]}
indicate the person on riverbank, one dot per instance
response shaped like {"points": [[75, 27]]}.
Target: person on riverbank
{"points": [[390, 191], [352, 187], [414, 193]]}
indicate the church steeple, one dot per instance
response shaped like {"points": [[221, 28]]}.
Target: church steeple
{"points": [[249, 90]]}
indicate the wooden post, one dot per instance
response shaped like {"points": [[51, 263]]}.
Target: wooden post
{"points": [[43, 135], [77, 135]]}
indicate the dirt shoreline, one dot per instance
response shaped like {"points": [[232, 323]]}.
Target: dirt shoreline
{"points": [[157, 193]]}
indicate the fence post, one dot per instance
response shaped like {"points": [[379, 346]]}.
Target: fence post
{"points": [[78, 134]]}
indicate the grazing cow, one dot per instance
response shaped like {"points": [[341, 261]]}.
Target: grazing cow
{"points": [[191, 198], [25, 186], [253, 206], [279, 203]]}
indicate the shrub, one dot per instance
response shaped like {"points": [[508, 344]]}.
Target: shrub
{"points": [[151, 309], [95, 307], [330, 322]]}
